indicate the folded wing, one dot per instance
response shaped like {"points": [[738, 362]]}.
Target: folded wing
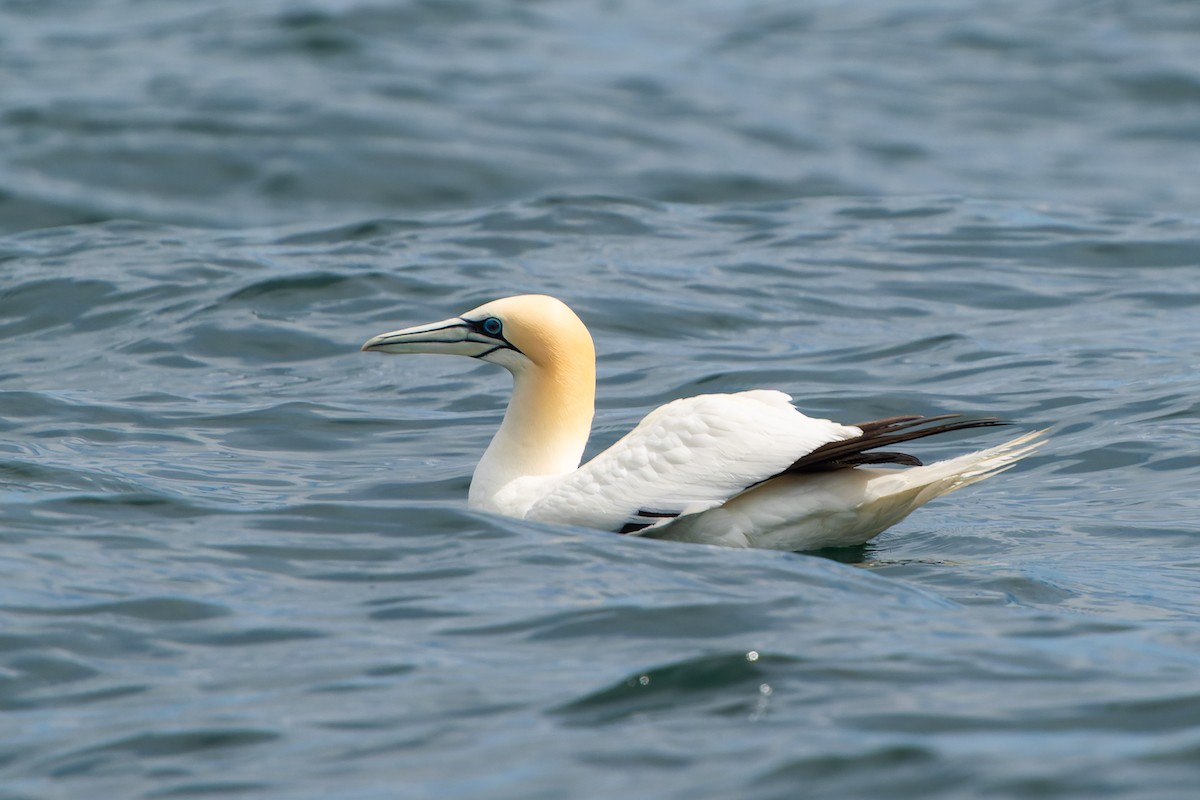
{"points": [[688, 456]]}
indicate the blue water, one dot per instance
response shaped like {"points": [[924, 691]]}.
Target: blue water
{"points": [[235, 557]]}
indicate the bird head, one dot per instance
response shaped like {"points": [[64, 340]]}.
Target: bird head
{"points": [[514, 332]]}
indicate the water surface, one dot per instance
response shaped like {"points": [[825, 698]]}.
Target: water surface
{"points": [[236, 558]]}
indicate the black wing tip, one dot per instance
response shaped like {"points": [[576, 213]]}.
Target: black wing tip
{"points": [[893, 424], [639, 523], [879, 433]]}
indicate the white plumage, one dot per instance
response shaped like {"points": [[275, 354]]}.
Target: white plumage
{"points": [[744, 470], [686, 456]]}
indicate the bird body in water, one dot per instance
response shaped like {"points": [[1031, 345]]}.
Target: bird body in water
{"points": [[745, 469]]}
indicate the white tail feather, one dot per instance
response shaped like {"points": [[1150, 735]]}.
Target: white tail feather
{"points": [[943, 477]]}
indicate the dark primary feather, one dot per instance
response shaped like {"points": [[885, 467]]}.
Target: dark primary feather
{"points": [[883, 433], [644, 518]]}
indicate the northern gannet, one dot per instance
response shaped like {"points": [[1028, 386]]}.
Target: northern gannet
{"points": [[744, 470]]}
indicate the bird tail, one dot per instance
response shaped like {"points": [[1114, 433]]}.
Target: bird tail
{"points": [[916, 486]]}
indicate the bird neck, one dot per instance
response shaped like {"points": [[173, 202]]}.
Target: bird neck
{"points": [[544, 431]]}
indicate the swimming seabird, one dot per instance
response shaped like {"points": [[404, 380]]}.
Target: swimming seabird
{"points": [[745, 469]]}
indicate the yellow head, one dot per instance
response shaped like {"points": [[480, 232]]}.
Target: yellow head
{"points": [[514, 332]]}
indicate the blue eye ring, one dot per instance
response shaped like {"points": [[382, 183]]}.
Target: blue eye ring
{"points": [[492, 326]]}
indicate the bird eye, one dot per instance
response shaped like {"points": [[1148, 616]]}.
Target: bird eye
{"points": [[492, 326]]}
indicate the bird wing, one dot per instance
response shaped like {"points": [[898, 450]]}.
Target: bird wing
{"points": [[687, 456]]}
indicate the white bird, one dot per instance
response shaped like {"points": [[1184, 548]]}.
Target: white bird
{"points": [[744, 469]]}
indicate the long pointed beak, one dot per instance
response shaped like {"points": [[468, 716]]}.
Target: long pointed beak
{"points": [[447, 336]]}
